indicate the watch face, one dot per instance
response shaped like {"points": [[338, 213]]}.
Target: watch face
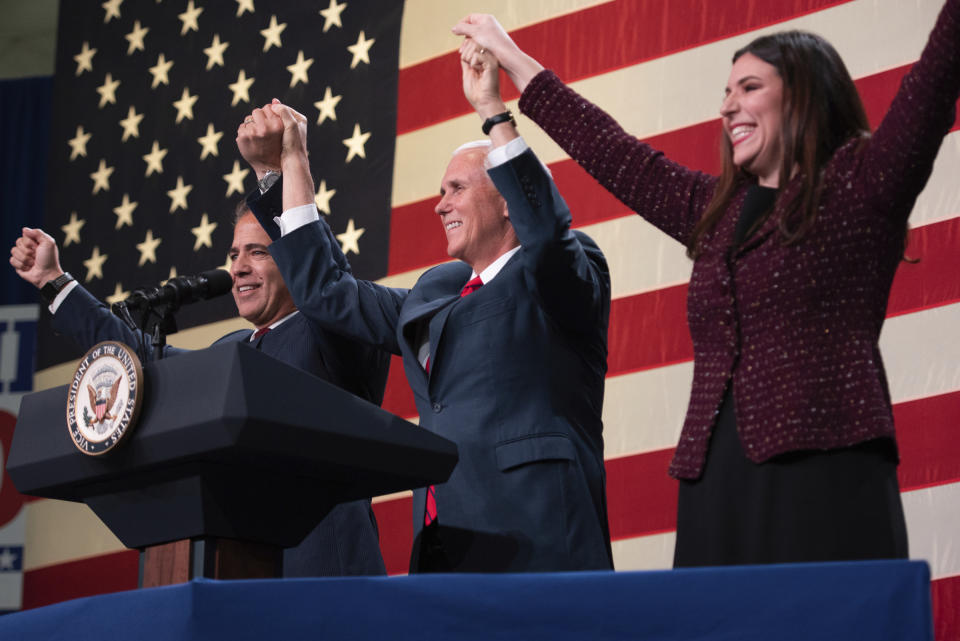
{"points": [[268, 180]]}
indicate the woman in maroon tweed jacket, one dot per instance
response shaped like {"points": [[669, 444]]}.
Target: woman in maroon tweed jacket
{"points": [[787, 452]]}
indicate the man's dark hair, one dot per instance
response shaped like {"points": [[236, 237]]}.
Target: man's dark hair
{"points": [[240, 210]]}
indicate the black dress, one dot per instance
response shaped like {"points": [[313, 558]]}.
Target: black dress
{"points": [[833, 505]]}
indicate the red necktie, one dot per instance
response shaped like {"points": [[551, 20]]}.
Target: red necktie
{"points": [[472, 285], [257, 339], [430, 512]]}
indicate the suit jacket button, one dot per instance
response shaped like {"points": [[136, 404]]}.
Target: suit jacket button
{"points": [[437, 407]]}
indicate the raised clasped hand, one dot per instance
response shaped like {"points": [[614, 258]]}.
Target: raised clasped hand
{"points": [[260, 139], [481, 78], [294, 138]]}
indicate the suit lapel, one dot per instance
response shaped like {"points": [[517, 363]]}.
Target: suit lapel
{"points": [[437, 324], [439, 321], [428, 306]]}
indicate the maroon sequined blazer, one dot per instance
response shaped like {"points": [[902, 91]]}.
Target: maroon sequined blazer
{"points": [[795, 327]]}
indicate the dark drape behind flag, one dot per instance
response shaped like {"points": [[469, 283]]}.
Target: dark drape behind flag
{"points": [[144, 173], [25, 132]]}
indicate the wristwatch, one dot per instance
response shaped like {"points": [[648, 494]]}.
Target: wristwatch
{"points": [[268, 180], [53, 287], [493, 121]]}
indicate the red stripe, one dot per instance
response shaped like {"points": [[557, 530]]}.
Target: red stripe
{"points": [[74, 579], [877, 92], [935, 279], [641, 498], [696, 146], [650, 330], [633, 32], [419, 247], [397, 397], [396, 532], [945, 594], [926, 435]]}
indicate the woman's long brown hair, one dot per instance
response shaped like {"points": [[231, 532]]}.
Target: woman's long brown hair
{"points": [[821, 111]]}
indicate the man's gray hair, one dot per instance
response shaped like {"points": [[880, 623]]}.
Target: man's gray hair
{"points": [[473, 144], [481, 144]]}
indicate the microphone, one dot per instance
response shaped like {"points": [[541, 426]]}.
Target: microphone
{"points": [[178, 291]]}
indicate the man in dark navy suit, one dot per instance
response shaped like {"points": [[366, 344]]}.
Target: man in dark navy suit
{"points": [[504, 349], [346, 540]]}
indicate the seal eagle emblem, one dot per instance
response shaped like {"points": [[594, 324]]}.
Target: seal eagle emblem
{"points": [[104, 397]]}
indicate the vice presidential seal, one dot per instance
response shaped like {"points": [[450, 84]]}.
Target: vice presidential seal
{"points": [[103, 401]]}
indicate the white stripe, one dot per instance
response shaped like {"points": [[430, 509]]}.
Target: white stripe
{"points": [[682, 89], [59, 531], [394, 496], [426, 34], [654, 552], [644, 411], [933, 527], [940, 199], [921, 353], [640, 257]]}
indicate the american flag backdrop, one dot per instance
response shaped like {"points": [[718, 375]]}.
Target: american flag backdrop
{"points": [[658, 67], [144, 170]]}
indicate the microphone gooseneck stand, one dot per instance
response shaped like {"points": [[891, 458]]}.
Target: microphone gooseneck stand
{"points": [[156, 321]]}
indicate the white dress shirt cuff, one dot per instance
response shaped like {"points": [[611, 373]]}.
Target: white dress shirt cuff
{"points": [[295, 218], [61, 296], [507, 152]]}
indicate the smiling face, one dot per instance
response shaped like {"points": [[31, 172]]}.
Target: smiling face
{"points": [[753, 118], [258, 288], [473, 213]]}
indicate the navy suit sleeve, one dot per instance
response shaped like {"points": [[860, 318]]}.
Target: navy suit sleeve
{"points": [[269, 205], [87, 321], [565, 269], [322, 285], [266, 206]]}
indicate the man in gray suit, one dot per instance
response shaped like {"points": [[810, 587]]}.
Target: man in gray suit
{"points": [[346, 540], [505, 349]]}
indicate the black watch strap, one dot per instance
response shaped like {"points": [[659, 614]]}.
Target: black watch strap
{"points": [[53, 287], [493, 121]]}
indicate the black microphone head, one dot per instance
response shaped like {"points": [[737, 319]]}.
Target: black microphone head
{"points": [[141, 297], [215, 282]]}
